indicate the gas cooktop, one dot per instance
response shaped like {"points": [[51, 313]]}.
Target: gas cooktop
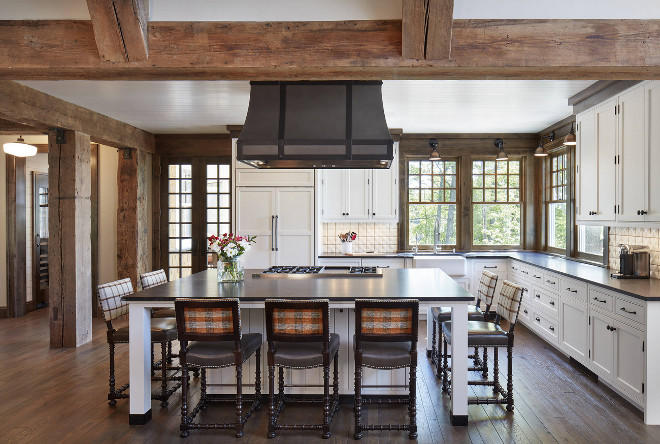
{"points": [[321, 271]]}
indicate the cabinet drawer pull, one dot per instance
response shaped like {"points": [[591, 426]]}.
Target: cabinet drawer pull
{"points": [[629, 312], [523, 271], [491, 266], [525, 311], [571, 290], [550, 282], [538, 296], [537, 277], [552, 302], [538, 319], [552, 328], [610, 328], [525, 290], [600, 300]]}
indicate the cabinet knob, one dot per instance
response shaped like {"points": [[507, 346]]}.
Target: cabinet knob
{"points": [[642, 212], [538, 296], [373, 214], [552, 328], [639, 213], [610, 328], [525, 311], [552, 302], [539, 320]]}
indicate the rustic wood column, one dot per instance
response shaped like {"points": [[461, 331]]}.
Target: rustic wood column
{"points": [[16, 260], [132, 216], [69, 252]]}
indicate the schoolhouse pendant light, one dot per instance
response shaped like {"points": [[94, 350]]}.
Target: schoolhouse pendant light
{"points": [[19, 148], [435, 155], [570, 138], [499, 143]]}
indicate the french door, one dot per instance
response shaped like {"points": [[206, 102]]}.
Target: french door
{"points": [[195, 203], [40, 240]]}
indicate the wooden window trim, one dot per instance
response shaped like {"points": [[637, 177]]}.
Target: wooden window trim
{"points": [[548, 199]]}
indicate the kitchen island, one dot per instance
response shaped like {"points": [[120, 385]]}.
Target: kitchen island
{"points": [[432, 287]]}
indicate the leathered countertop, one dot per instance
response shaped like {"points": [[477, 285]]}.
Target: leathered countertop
{"points": [[428, 285], [646, 289]]}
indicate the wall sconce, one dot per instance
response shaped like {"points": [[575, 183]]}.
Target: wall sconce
{"points": [[570, 138], [499, 143], [435, 155], [541, 151]]}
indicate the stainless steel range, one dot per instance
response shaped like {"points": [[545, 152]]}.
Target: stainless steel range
{"points": [[322, 271]]}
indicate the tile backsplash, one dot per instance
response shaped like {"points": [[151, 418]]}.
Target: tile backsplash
{"points": [[371, 236], [635, 236]]}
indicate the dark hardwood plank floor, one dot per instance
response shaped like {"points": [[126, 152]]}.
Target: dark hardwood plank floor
{"points": [[52, 396]]}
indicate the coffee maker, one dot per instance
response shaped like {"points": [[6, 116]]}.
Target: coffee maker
{"points": [[634, 262]]}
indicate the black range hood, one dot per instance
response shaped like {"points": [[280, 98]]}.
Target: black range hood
{"points": [[315, 125]]}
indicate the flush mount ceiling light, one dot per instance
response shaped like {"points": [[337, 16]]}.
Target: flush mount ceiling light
{"points": [[541, 151], [570, 138], [435, 155], [20, 148], [499, 143]]}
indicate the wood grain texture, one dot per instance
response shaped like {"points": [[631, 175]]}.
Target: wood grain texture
{"points": [[16, 242], [438, 39], [120, 29], [515, 49], [27, 106], [413, 29], [555, 400], [208, 145], [69, 252]]}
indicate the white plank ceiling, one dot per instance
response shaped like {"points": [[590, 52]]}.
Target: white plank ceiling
{"points": [[417, 106]]}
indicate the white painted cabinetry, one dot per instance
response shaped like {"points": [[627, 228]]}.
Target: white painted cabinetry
{"points": [[631, 156]]}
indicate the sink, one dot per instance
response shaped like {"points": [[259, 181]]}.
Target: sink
{"points": [[452, 264]]}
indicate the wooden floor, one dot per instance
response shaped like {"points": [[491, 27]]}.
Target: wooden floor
{"points": [[52, 396]]}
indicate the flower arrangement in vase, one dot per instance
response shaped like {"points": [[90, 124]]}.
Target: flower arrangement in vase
{"points": [[229, 249], [347, 241]]}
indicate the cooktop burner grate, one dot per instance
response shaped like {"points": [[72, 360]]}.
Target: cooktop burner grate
{"points": [[287, 269], [363, 270]]}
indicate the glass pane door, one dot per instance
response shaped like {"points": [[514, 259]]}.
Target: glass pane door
{"points": [[179, 219], [218, 203]]}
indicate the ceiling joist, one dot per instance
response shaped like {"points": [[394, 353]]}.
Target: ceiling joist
{"points": [[120, 29], [480, 49], [426, 29]]}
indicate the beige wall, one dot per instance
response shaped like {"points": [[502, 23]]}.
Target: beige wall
{"points": [[3, 230], [39, 164], [108, 162], [150, 210]]}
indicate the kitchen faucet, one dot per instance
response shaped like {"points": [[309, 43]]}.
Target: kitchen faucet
{"points": [[436, 235]]}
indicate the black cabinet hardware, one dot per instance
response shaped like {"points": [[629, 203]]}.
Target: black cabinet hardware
{"points": [[552, 302], [525, 311], [552, 328], [538, 319], [490, 266], [600, 300], [610, 328], [550, 282], [537, 277], [538, 296], [629, 312], [571, 290]]}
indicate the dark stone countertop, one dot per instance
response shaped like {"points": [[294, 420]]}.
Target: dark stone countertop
{"points": [[428, 285]]}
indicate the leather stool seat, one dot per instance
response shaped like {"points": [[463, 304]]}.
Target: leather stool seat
{"points": [[303, 354], [481, 333], [220, 353], [443, 314], [161, 329], [385, 354]]}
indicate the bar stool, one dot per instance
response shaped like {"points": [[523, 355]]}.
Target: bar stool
{"points": [[298, 334], [154, 279], [485, 292], [385, 339], [163, 331], [490, 334], [210, 336]]}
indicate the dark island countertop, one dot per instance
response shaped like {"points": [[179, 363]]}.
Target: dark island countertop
{"points": [[428, 285]]}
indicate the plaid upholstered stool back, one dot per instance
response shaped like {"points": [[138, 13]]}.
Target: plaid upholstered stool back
{"points": [[508, 304], [208, 320], [387, 321], [110, 295], [153, 279], [304, 320], [486, 290]]}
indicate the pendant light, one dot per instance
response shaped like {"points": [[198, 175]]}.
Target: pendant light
{"points": [[541, 151], [570, 138], [499, 143], [20, 148], [435, 155]]}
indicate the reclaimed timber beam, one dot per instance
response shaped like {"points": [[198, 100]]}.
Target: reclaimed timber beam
{"points": [[27, 106], [414, 22], [16, 223], [439, 32], [481, 49], [69, 252], [120, 29], [191, 145], [8, 127], [132, 215]]}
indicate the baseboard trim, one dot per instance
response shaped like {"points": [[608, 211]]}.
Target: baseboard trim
{"points": [[3, 312], [30, 306]]}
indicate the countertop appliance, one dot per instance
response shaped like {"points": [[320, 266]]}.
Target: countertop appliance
{"points": [[320, 272], [634, 262]]}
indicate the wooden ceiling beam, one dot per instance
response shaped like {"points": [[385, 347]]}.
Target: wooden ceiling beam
{"points": [[120, 29], [438, 35], [481, 49], [7, 127], [27, 106], [413, 29]]}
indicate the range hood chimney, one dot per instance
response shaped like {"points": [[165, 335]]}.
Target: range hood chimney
{"points": [[315, 125]]}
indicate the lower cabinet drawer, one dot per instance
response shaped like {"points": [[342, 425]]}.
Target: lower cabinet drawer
{"points": [[601, 299], [546, 327], [547, 302], [630, 309], [573, 288], [525, 315]]}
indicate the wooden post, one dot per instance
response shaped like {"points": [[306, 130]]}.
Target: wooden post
{"points": [[132, 216], [16, 260], [69, 252]]}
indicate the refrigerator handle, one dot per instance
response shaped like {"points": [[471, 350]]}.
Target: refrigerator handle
{"points": [[272, 233], [276, 234]]}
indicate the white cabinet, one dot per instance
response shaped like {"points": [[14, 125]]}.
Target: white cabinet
{"points": [[631, 156], [652, 145], [496, 266], [601, 339], [360, 195], [574, 331], [282, 218], [247, 176], [587, 165], [384, 262], [629, 360]]}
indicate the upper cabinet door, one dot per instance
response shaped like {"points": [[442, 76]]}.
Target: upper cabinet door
{"points": [[255, 216], [357, 194], [294, 226], [606, 129], [385, 192], [631, 159], [587, 167], [652, 162], [333, 199]]}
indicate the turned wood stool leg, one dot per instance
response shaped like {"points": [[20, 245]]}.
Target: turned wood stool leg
{"points": [[496, 370], [271, 401], [357, 407], [484, 363], [112, 392], [184, 402], [326, 402], [509, 383], [239, 400], [257, 379], [412, 406], [444, 365], [163, 374]]}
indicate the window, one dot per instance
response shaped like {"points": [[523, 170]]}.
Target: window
{"points": [[557, 192], [591, 242], [179, 220], [432, 191], [496, 203]]}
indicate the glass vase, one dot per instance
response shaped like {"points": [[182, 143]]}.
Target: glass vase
{"points": [[230, 270]]}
